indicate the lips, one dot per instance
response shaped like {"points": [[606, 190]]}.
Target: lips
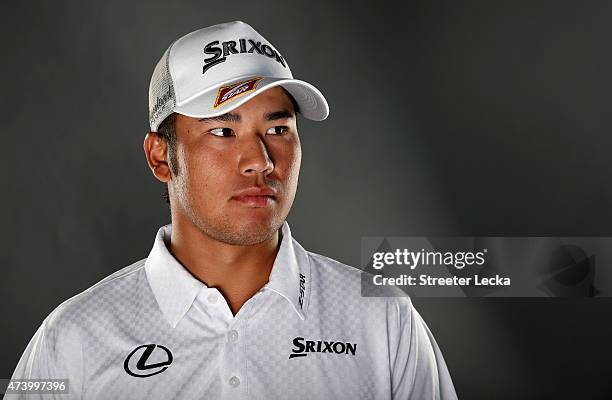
{"points": [[255, 196]]}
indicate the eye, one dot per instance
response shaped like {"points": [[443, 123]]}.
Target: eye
{"points": [[221, 132], [277, 130]]}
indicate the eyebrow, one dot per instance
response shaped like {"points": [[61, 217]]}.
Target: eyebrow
{"points": [[232, 117], [283, 114]]}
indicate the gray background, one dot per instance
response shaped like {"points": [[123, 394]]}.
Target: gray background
{"points": [[459, 118]]}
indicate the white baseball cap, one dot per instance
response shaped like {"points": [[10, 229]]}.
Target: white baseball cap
{"points": [[213, 70]]}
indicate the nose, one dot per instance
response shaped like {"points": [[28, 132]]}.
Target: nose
{"points": [[254, 158]]}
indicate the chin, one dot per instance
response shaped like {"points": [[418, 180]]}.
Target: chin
{"points": [[241, 232]]}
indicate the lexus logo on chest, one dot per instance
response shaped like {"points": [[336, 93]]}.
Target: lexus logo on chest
{"points": [[136, 362]]}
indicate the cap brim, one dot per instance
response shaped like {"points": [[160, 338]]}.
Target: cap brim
{"points": [[311, 103]]}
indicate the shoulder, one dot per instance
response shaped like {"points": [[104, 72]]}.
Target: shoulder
{"points": [[321, 264], [333, 277], [55, 350], [95, 301]]}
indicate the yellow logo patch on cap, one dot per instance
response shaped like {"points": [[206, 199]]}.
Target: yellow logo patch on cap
{"points": [[227, 93]]}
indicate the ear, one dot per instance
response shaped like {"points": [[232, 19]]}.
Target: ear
{"points": [[156, 151]]}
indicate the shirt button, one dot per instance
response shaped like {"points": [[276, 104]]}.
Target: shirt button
{"points": [[233, 335], [234, 381], [212, 298]]}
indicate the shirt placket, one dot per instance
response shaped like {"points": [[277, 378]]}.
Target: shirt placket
{"points": [[232, 330]]}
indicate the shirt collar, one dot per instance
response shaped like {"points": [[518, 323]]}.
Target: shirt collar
{"points": [[173, 286], [175, 289], [290, 275]]}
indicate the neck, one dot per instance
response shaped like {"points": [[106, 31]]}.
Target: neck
{"points": [[238, 272]]}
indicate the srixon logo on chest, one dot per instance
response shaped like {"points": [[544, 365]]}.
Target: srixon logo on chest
{"points": [[219, 51], [302, 347]]}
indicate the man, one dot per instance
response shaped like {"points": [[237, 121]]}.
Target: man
{"points": [[228, 304]]}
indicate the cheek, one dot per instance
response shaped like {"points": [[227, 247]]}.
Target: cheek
{"points": [[288, 164], [201, 172], [295, 165]]}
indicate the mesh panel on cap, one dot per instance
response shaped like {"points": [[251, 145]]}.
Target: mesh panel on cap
{"points": [[161, 92]]}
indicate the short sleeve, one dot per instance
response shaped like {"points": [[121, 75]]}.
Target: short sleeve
{"points": [[54, 352], [418, 368]]}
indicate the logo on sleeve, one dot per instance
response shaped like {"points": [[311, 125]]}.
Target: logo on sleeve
{"points": [[227, 93], [136, 362], [302, 347]]}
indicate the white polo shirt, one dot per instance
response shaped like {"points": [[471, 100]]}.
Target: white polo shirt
{"points": [[153, 331]]}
